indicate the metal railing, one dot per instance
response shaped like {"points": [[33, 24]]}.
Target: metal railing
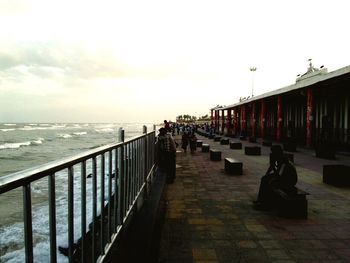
{"points": [[120, 175]]}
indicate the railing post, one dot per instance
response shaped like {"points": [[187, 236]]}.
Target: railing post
{"points": [[83, 209], [145, 162], [52, 218], [94, 208], [27, 218], [121, 178], [70, 213], [102, 204], [109, 227], [116, 190]]}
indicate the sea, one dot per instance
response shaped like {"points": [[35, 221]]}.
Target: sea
{"points": [[27, 145]]}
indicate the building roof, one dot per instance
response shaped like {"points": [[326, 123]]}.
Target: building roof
{"points": [[302, 82]]}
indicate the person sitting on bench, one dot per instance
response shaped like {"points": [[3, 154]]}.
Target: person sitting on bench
{"points": [[281, 174]]}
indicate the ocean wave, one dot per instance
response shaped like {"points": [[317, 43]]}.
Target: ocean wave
{"points": [[31, 128], [10, 124], [64, 136], [80, 133], [37, 141], [6, 130], [16, 145], [104, 130]]}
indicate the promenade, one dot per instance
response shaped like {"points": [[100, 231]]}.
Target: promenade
{"points": [[209, 215]]}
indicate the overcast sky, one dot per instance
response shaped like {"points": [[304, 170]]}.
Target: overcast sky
{"points": [[146, 61]]}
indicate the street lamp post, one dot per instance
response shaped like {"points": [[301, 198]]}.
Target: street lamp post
{"points": [[253, 69]]}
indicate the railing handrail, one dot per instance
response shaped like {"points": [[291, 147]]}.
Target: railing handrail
{"points": [[133, 161], [20, 178]]}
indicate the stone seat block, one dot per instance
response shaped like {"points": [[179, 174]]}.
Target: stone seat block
{"points": [[205, 148], [233, 166], [337, 175], [215, 155], [199, 143], [291, 204]]}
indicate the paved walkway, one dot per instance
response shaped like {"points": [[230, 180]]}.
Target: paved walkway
{"points": [[209, 214]]}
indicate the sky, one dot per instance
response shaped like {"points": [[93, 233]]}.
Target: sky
{"points": [[147, 61]]}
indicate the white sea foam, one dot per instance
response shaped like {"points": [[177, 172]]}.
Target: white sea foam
{"points": [[37, 141], [31, 128], [80, 133], [10, 124], [6, 130], [14, 234], [104, 130], [15, 145], [64, 136], [58, 126]]}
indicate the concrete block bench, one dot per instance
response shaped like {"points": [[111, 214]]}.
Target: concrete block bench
{"points": [[291, 204], [215, 155], [217, 138], [224, 141], [252, 150], [199, 143], [289, 156], [233, 166], [205, 148], [337, 175], [236, 145], [267, 143], [243, 138]]}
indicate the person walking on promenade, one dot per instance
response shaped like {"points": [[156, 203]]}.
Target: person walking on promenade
{"points": [[167, 126], [166, 154], [193, 142], [184, 140], [281, 174]]}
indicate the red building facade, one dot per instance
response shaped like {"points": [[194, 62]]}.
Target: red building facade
{"points": [[313, 110]]}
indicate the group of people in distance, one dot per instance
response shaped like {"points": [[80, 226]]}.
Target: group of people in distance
{"points": [[281, 174]]}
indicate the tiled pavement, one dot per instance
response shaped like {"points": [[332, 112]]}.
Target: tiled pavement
{"points": [[209, 214]]}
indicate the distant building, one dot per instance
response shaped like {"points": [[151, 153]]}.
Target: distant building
{"points": [[313, 110]]}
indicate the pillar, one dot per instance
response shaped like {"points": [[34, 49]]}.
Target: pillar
{"points": [[309, 117], [235, 115], [262, 118], [253, 119], [229, 121], [211, 117], [223, 121], [243, 119], [279, 118]]}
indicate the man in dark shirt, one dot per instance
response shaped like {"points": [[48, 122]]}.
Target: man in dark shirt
{"points": [[280, 175], [166, 154]]}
